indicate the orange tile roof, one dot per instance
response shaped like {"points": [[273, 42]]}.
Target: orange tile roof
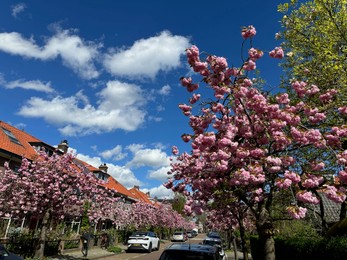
{"points": [[115, 185], [140, 195], [24, 148]]}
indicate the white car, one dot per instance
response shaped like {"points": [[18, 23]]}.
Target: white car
{"points": [[143, 240], [179, 236]]}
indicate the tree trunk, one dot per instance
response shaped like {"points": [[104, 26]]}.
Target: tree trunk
{"points": [[343, 210], [243, 242], [40, 248], [265, 232], [242, 233], [235, 247]]}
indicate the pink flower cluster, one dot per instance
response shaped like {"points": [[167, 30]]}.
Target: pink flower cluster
{"points": [[342, 110], [296, 212], [302, 89], [334, 194], [307, 197], [328, 96], [289, 178], [248, 32], [312, 181], [277, 53]]}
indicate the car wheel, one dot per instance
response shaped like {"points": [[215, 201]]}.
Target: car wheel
{"points": [[158, 247], [150, 248]]}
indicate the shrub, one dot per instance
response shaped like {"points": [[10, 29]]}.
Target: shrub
{"points": [[114, 249]]}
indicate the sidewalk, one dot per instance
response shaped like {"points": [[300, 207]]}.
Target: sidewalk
{"points": [[93, 253]]}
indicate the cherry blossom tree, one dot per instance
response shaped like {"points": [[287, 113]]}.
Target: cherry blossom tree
{"points": [[147, 216], [245, 141], [52, 187]]}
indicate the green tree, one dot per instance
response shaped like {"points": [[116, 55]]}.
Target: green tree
{"points": [[315, 39], [178, 203]]}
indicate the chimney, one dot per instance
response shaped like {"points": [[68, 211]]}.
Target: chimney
{"points": [[63, 146], [103, 167], [137, 187], [148, 194]]}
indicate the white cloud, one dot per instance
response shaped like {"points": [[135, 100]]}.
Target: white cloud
{"points": [[147, 56], [30, 85], [120, 107], [134, 147], [17, 9], [114, 154], [75, 53], [160, 174], [123, 175], [165, 90], [150, 158], [159, 192]]}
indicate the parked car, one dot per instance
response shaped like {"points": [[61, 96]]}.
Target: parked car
{"points": [[179, 236], [6, 255], [143, 240], [190, 234], [217, 242], [214, 234], [179, 251]]}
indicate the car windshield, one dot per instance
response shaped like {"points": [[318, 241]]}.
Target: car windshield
{"points": [[212, 242], [139, 234], [186, 255], [178, 233]]}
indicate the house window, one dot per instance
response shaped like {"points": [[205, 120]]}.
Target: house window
{"points": [[11, 136], [102, 176]]}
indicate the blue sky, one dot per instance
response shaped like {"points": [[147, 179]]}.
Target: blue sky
{"points": [[104, 74]]}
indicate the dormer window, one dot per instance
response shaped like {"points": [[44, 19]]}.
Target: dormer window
{"points": [[102, 176], [11, 136]]}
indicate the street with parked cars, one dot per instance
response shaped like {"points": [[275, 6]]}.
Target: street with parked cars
{"points": [[192, 248]]}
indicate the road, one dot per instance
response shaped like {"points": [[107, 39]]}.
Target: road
{"points": [[150, 256]]}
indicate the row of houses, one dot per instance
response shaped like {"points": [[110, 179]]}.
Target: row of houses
{"points": [[16, 144]]}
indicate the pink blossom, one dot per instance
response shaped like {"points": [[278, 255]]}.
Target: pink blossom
{"points": [[255, 54], [307, 197], [296, 212], [194, 98], [257, 153], [277, 53], [342, 110], [249, 65], [294, 177], [312, 181], [175, 150], [248, 32], [317, 166], [334, 194], [343, 176], [186, 109], [283, 183], [186, 81], [282, 99], [328, 96]]}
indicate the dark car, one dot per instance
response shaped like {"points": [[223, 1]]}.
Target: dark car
{"points": [[214, 234], [217, 242], [6, 255], [179, 251]]}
